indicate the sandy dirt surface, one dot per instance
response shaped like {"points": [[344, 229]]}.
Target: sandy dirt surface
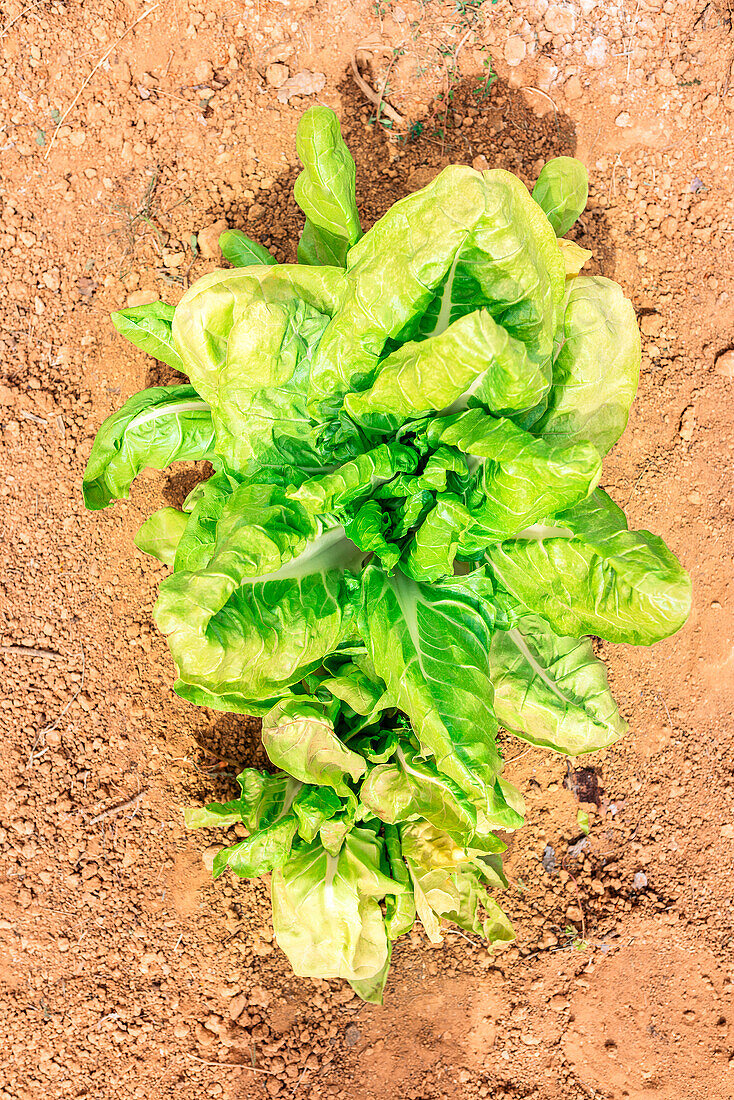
{"points": [[124, 972]]}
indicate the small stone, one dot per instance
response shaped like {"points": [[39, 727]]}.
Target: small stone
{"points": [[237, 1006], [651, 324], [669, 227], [573, 89], [204, 72], [352, 1035], [173, 259], [623, 119], [559, 19], [725, 363], [207, 856], [596, 54], [480, 163], [687, 424], [727, 831], [208, 240], [665, 77], [574, 913], [515, 50], [142, 298], [277, 74], [639, 880], [303, 83], [77, 139]]}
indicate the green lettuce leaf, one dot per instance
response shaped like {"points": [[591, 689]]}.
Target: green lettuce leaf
{"points": [[153, 428], [474, 360], [519, 478], [161, 534], [597, 368], [325, 190], [551, 690], [241, 251], [313, 807], [448, 883], [299, 737], [409, 787], [247, 338], [417, 635], [467, 241], [272, 601], [268, 848], [561, 192], [148, 327], [326, 912], [204, 507], [621, 585]]}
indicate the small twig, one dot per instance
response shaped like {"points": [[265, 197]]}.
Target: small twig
{"points": [[12, 22], [538, 91], [462, 42], [364, 87], [217, 757], [120, 808], [32, 416], [101, 61], [230, 1065], [383, 86], [29, 651]]}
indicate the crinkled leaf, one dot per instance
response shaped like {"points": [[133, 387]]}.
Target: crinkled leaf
{"points": [[299, 738], [474, 361], [247, 338], [265, 850], [552, 691], [447, 883], [622, 585], [313, 806], [270, 603], [153, 428], [326, 912], [204, 506], [466, 241], [355, 480], [418, 635], [597, 368], [408, 787], [519, 478]]}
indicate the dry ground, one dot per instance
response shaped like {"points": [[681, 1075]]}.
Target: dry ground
{"points": [[125, 973]]}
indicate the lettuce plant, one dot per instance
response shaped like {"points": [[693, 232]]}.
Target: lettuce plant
{"points": [[403, 544]]}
